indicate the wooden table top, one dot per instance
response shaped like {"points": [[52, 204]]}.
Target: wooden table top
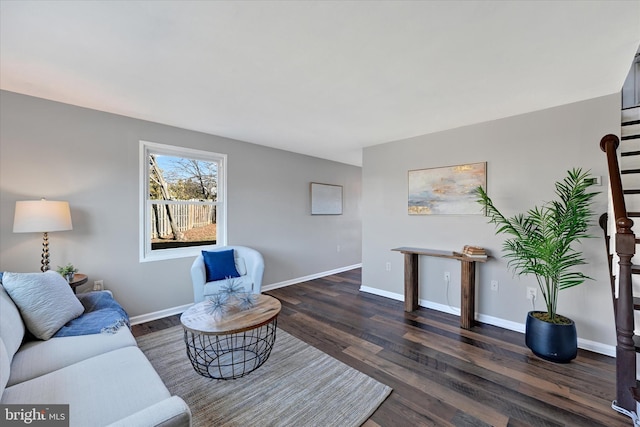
{"points": [[196, 319], [78, 279], [441, 254]]}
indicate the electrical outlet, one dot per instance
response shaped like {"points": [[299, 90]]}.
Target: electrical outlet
{"points": [[494, 285], [532, 293], [447, 276], [388, 266], [595, 180], [98, 285]]}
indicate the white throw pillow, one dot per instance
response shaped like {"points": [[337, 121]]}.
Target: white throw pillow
{"points": [[45, 300]]}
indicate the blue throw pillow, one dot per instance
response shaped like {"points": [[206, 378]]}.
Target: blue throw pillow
{"points": [[219, 265]]}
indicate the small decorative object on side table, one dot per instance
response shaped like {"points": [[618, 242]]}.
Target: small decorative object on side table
{"points": [[67, 271], [234, 344], [70, 273]]}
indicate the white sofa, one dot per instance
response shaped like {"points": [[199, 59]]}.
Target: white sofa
{"points": [[104, 378], [248, 262]]}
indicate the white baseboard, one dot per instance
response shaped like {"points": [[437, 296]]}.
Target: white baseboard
{"points": [[381, 293], [180, 309], [310, 277], [501, 323], [159, 314], [596, 347]]}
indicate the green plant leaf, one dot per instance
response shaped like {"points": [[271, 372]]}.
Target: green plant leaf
{"points": [[541, 241]]}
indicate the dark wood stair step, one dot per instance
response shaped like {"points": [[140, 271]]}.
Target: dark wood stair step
{"points": [[636, 343], [628, 171], [630, 153], [628, 137], [631, 123], [635, 269], [632, 191], [636, 303], [633, 214]]}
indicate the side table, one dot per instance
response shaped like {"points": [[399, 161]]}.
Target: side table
{"points": [[468, 276], [78, 279], [234, 345]]}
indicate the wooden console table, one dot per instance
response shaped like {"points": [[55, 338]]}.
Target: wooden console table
{"points": [[468, 279]]}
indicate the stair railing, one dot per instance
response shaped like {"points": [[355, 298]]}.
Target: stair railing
{"points": [[625, 249]]}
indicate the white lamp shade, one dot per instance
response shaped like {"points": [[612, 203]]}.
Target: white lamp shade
{"points": [[41, 216]]}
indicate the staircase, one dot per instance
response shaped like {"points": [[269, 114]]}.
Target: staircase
{"points": [[624, 177]]}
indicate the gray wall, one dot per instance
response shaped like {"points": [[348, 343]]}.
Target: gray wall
{"points": [[90, 159], [525, 155]]}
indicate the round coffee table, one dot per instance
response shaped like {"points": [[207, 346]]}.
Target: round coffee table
{"points": [[234, 345]]}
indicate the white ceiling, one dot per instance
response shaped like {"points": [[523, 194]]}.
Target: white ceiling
{"points": [[323, 78]]}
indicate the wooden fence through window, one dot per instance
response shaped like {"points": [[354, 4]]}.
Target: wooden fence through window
{"points": [[185, 217]]}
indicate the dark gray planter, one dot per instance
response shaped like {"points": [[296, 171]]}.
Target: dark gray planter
{"points": [[556, 343]]}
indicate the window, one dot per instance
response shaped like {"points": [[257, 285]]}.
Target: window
{"points": [[182, 193]]}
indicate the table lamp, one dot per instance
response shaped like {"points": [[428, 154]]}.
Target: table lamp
{"points": [[42, 216]]}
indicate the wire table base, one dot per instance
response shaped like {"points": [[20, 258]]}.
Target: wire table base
{"points": [[231, 356]]}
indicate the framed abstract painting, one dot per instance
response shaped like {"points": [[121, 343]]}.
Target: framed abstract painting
{"points": [[446, 190], [326, 199]]}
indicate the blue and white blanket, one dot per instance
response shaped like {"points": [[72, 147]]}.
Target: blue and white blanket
{"points": [[102, 314]]}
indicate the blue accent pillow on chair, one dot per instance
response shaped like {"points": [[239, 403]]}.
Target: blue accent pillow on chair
{"points": [[219, 265]]}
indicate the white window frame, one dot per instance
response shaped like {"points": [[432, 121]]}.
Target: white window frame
{"points": [[146, 148]]}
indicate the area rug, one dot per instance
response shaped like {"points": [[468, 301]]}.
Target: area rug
{"points": [[298, 385]]}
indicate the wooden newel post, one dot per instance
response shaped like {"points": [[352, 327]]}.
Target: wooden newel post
{"points": [[625, 248], [625, 349]]}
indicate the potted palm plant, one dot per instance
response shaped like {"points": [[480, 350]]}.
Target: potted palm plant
{"points": [[542, 242]]}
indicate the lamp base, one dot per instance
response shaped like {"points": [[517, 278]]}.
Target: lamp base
{"points": [[45, 252]]}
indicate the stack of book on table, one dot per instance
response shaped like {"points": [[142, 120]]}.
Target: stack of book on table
{"points": [[474, 252]]}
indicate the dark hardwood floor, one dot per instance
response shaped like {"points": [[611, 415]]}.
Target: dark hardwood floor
{"points": [[440, 374]]}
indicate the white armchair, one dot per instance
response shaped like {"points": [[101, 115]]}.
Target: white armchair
{"points": [[249, 264]]}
